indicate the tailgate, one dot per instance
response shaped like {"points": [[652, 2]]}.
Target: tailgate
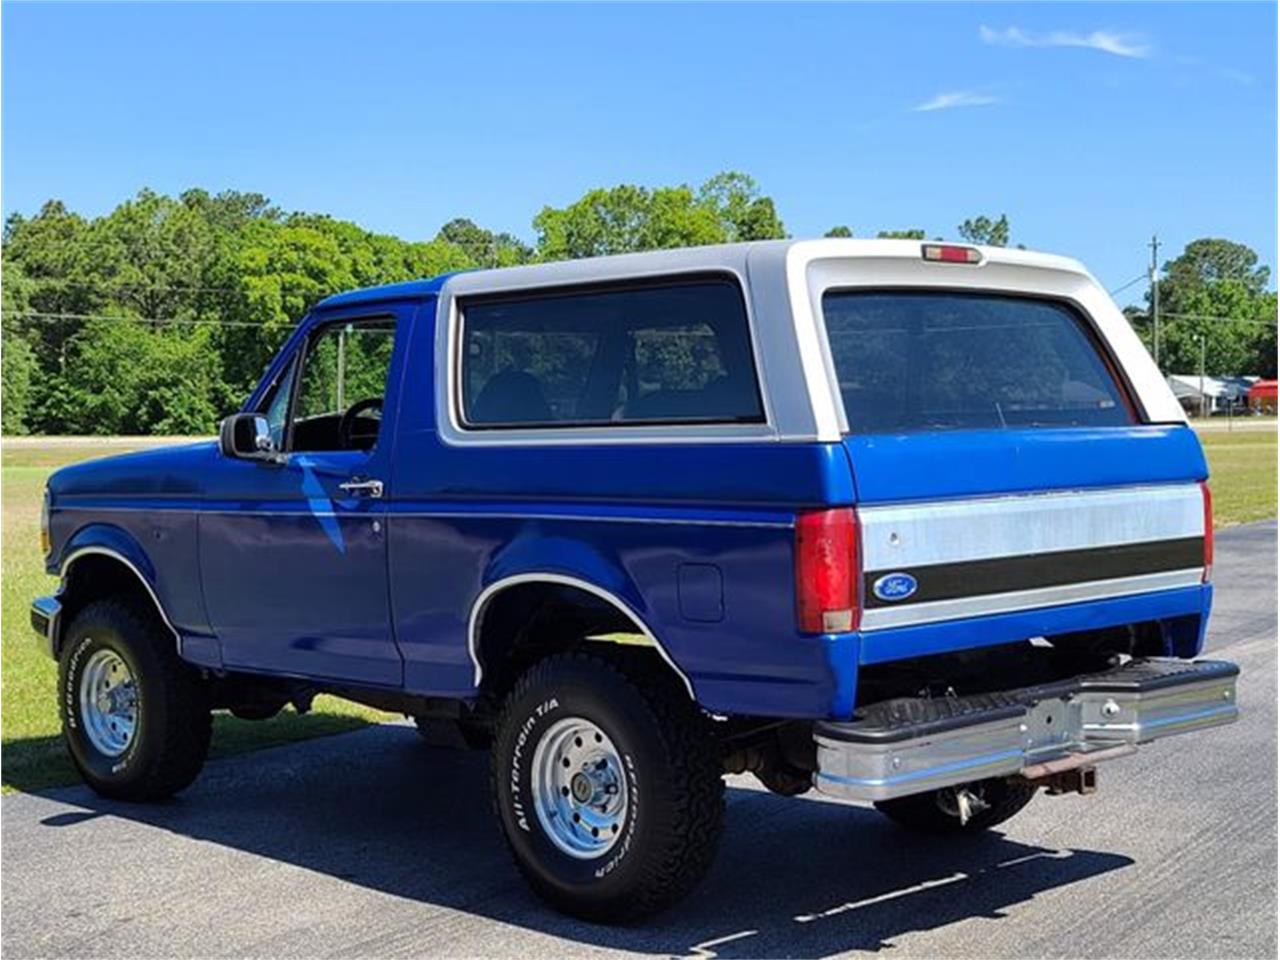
{"points": [[932, 561]]}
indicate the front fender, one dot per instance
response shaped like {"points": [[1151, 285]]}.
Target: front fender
{"points": [[109, 539], [172, 583], [75, 564]]}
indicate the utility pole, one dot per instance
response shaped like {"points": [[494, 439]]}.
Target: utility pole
{"points": [[1155, 301], [342, 369], [1202, 398]]}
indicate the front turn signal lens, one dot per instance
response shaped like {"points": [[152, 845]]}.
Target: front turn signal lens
{"points": [[46, 541]]}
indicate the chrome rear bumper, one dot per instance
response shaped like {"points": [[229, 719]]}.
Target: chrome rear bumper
{"points": [[908, 746]]}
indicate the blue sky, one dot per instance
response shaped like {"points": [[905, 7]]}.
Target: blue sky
{"points": [[1090, 125]]}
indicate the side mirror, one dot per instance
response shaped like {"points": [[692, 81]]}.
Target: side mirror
{"points": [[247, 436]]}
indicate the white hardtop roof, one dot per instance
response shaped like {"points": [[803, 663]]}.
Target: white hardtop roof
{"points": [[786, 280], [733, 256]]}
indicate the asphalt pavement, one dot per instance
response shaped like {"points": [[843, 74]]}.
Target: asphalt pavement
{"points": [[372, 844]]}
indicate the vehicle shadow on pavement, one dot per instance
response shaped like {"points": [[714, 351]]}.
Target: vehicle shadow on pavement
{"points": [[798, 878]]}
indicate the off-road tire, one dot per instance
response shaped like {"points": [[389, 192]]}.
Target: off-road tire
{"points": [[173, 725], [668, 838], [923, 813]]}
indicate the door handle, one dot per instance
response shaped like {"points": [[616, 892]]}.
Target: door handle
{"points": [[362, 488]]}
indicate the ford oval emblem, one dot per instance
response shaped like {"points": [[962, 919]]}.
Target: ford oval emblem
{"points": [[894, 586]]}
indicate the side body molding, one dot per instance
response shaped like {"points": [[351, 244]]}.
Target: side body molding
{"points": [[495, 588]]}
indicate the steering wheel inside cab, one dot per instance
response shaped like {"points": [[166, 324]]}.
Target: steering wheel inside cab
{"points": [[357, 431]]}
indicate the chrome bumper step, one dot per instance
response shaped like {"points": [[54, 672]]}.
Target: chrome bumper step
{"points": [[912, 745]]}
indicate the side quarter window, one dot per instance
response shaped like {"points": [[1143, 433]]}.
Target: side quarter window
{"points": [[674, 351]]}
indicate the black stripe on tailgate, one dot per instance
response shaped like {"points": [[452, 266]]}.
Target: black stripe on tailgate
{"points": [[971, 578]]}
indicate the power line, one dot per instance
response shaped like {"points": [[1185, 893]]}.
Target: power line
{"points": [[1146, 318], [1120, 289], [1199, 316], [107, 287], [154, 321], [55, 316]]}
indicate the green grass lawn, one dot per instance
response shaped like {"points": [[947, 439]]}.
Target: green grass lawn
{"points": [[33, 756], [1242, 474], [1243, 466]]}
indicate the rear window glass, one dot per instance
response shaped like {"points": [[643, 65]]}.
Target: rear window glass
{"points": [[926, 361], [661, 353]]}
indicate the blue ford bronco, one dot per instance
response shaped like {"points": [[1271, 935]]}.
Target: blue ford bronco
{"points": [[918, 525]]}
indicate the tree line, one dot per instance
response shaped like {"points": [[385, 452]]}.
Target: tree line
{"points": [[159, 316]]}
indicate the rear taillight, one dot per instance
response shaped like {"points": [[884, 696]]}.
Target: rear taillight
{"points": [[827, 571], [1208, 532]]}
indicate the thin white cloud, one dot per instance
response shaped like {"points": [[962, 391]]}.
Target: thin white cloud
{"points": [[1238, 76], [956, 98], [1107, 41]]}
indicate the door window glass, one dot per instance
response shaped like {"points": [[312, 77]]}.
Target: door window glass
{"points": [[344, 379]]}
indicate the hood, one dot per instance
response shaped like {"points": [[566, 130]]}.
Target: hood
{"points": [[174, 471]]}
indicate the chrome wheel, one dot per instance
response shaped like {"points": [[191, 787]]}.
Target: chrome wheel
{"points": [[579, 788], [108, 703]]}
